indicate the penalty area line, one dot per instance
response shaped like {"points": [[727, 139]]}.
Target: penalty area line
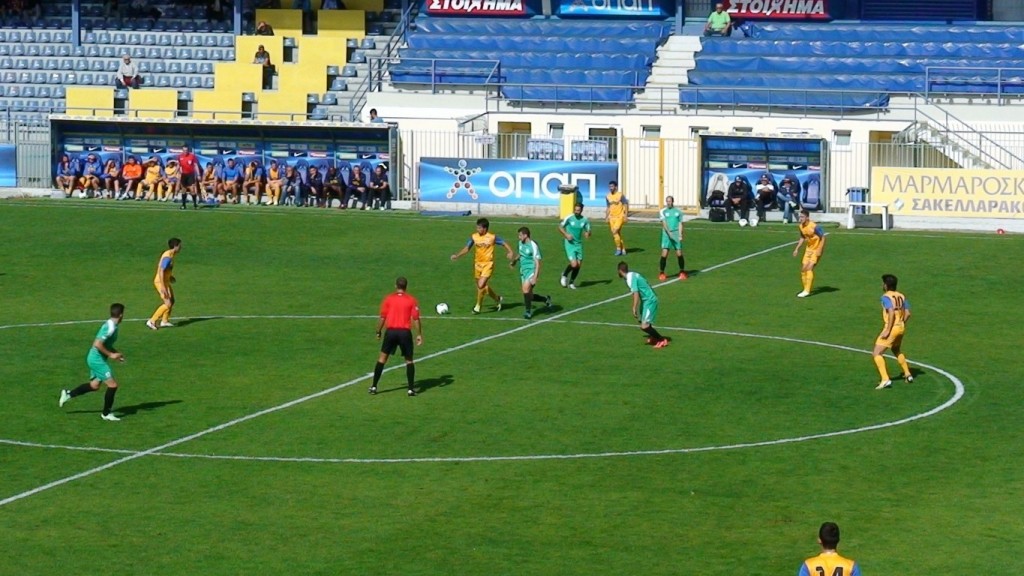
{"points": [[332, 389]]}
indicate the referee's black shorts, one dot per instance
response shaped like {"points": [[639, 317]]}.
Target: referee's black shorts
{"points": [[188, 179], [395, 338]]}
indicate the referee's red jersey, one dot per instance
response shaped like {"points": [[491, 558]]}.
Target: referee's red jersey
{"points": [[399, 310]]}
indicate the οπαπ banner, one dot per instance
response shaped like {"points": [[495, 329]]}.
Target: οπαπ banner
{"points": [[950, 192], [779, 9], [616, 8], [8, 165], [533, 182]]}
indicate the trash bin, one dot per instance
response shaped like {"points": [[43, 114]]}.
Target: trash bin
{"points": [[858, 195], [569, 197]]}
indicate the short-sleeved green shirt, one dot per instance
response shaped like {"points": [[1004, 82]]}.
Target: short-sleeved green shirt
{"points": [[719, 20]]}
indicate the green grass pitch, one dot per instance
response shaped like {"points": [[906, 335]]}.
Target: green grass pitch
{"points": [[559, 445]]}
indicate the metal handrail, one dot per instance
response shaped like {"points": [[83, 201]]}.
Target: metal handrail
{"points": [[358, 101], [930, 72], [966, 141]]}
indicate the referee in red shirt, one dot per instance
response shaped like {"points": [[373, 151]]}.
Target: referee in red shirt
{"points": [[189, 178], [398, 312]]}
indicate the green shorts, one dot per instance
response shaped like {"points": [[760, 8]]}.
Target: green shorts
{"points": [[99, 369], [670, 243], [525, 275], [648, 311], [574, 251]]}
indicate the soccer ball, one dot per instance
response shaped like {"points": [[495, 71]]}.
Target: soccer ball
{"points": [[754, 221], [441, 308], [743, 222]]}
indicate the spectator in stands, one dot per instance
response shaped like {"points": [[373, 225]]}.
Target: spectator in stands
{"points": [[67, 174], [264, 29], [315, 187], [262, 58], [764, 196], [145, 9], [151, 181], [292, 186], [380, 187], [232, 182], [374, 119], [92, 172], [788, 197], [332, 186], [738, 199], [253, 181], [112, 179], [719, 23], [127, 74], [357, 188], [275, 182], [131, 174]]}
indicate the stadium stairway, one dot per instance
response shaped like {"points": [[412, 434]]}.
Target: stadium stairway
{"points": [[675, 58]]}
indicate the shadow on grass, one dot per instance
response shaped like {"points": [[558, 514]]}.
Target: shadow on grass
{"points": [[186, 321], [823, 290], [634, 250], [593, 283], [131, 410], [423, 385]]}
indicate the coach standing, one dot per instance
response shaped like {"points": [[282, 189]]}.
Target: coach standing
{"points": [[398, 312], [189, 165]]}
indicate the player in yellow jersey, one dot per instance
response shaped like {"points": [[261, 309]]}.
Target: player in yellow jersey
{"points": [[814, 237], [895, 313], [616, 212], [829, 562], [162, 282], [483, 261]]}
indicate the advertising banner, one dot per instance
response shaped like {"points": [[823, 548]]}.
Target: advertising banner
{"points": [[779, 9], [8, 165], [532, 182], [491, 8], [616, 8], [949, 192]]}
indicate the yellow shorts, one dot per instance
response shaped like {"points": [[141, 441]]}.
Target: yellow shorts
{"points": [[811, 257], [895, 338], [170, 291], [615, 223], [483, 269]]}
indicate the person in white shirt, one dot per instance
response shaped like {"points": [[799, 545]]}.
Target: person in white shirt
{"points": [[765, 195], [127, 74]]}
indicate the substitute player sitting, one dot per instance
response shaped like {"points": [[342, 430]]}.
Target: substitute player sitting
{"points": [[483, 263], [895, 313]]}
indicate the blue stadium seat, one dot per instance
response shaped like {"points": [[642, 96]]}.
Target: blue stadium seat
{"points": [[195, 82], [5, 50], [163, 39], [36, 64], [14, 37], [118, 38], [226, 41], [217, 54], [174, 67], [61, 36], [195, 40], [33, 51], [329, 99], [205, 68], [96, 66], [18, 50], [358, 57], [54, 78], [163, 81], [229, 54], [28, 37], [339, 85], [24, 78], [6, 63], [90, 38], [202, 54], [9, 78], [208, 82], [60, 107], [44, 37], [159, 67], [153, 54], [14, 91], [169, 53], [3, 36], [149, 39], [43, 92], [4, 104], [50, 64], [21, 64], [112, 65], [190, 68], [185, 53], [210, 40], [70, 78], [92, 51], [368, 44], [104, 38], [65, 64], [63, 50], [135, 38], [349, 72], [108, 52], [78, 51], [180, 40], [49, 51], [58, 92], [318, 113], [39, 78], [138, 52], [179, 82], [85, 79], [28, 91], [144, 67], [104, 80]]}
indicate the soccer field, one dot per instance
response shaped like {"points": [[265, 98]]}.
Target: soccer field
{"points": [[557, 445]]}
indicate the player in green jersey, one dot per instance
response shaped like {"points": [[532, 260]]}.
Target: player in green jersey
{"points": [[529, 260], [99, 370], [671, 236], [645, 304]]}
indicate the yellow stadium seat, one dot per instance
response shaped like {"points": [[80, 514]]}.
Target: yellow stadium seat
{"points": [[153, 103], [342, 23], [90, 101]]}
